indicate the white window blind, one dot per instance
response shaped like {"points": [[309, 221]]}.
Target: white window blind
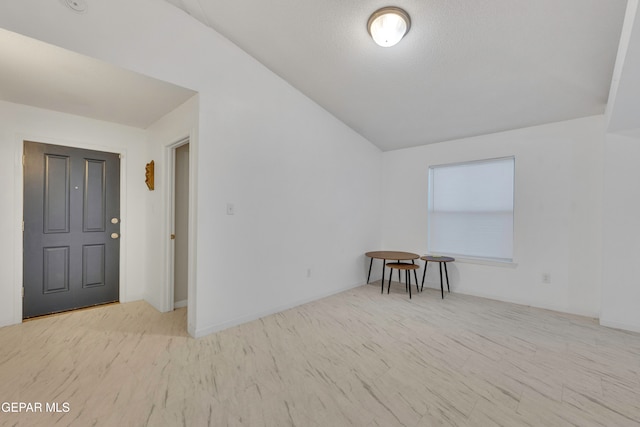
{"points": [[471, 209]]}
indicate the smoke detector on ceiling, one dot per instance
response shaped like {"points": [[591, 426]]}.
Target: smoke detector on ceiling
{"points": [[79, 6]]}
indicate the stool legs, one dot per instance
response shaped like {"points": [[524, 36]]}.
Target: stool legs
{"points": [[407, 279], [384, 264], [447, 274], [426, 263], [415, 274], [369, 275]]}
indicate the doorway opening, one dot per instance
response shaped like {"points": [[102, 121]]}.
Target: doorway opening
{"points": [[180, 224]]}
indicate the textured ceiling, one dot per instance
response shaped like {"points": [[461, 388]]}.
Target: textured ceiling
{"points": [[77, 84], [465, 68]]}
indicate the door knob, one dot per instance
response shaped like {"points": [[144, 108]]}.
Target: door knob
{"points": [[114, 235]]}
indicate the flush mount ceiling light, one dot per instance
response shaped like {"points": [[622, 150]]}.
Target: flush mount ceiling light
{"points": [[387, 26]]}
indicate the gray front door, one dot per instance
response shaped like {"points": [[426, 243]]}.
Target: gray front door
{"points": [[71, 228]]}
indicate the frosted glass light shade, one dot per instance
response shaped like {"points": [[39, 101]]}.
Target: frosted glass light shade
{"points": [[387, 26]]}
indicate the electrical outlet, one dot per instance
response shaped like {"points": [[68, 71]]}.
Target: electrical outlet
{"points": [[546, 278]]}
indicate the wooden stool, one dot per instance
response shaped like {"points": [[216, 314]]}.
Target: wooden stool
{"points": [[441, 260], [407, 276]]}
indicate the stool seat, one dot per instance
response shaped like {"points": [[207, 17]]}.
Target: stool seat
{"points": [[402, 266], [435, 258], [407, 268]]}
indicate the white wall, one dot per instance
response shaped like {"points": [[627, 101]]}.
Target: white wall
{"points": [[557, 215], [19, 123], [621, 219], [621, 201], [306, 191], [306, 188], [174, 127]]}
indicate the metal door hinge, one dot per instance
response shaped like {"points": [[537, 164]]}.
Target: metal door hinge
{"points": [[173, 237], [23, 156]]}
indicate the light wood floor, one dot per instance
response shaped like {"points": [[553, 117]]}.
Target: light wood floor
{"points": [[358, 358]]}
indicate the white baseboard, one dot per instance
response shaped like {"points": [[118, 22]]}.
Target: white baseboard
{"points": [[519, 301], [180, 304], [207, 330], [620, 325]]}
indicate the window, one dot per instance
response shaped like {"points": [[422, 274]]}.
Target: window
{"points": [[471, 209]]}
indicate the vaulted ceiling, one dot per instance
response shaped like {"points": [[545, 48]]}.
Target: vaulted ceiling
{"points": [[465, 68]]}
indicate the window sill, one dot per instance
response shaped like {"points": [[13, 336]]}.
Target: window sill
{"points": [[480, 261], [492, 263]]}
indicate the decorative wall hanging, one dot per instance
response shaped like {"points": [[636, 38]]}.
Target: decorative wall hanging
{"points": [[148, 175]]}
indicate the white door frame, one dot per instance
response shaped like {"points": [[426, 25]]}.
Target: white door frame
{"points": [[19, 210], [170, 155]]}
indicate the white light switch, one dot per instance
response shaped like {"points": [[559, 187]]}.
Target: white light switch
{"points": [[231, 209]]}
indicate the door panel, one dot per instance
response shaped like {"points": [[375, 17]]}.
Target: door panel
{"points": [[70, 259], [56, 270], [95, 195], [57, 175], [93, 265], [181, 225]]}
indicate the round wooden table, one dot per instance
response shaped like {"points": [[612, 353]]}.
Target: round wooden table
{"points": [[441, 260], [391, 256]]}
